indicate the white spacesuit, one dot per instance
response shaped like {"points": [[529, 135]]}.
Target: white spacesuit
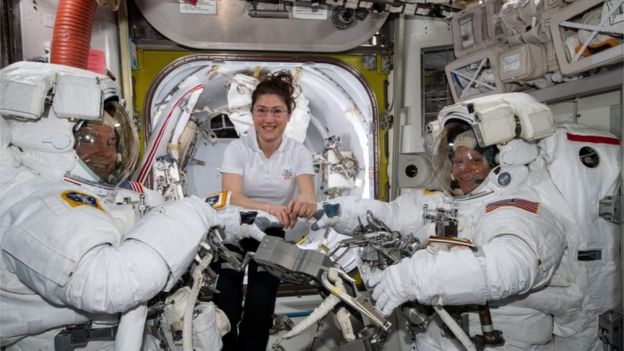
{"points": [[523, 235], [74, 251]]}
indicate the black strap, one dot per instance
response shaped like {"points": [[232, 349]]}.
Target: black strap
{"points": [[589, 255], [79, 336]]}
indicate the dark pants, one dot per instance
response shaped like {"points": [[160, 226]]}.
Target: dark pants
{"points": [[253, 330]]}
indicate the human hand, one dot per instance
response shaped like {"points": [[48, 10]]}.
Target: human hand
{"points": [[395, 287], [281, 213], [302, 205], [342, 214]]}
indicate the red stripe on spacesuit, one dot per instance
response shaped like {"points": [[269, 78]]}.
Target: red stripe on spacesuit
{"points": [[133, 186], [136, 186], [522, 204], [593, 139], [152, 153], [69, 180]]}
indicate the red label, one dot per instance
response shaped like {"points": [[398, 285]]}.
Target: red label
{"points": [[97, 61], [593, 139]]}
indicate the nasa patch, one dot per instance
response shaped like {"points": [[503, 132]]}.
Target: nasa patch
{"points": [[76, 199], [504, 179]]}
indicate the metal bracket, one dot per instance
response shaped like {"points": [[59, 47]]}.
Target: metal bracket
{"points": [[610, 326], [446, 220], [609, 208]]}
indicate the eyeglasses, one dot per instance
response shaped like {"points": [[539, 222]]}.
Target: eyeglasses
{"points": [[264, 112]]}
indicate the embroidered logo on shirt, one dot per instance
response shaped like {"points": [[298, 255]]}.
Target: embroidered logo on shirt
{"points": [[287, 174], [75, 199], [522, 204]]}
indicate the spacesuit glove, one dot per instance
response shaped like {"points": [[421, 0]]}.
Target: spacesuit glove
{"points": [[236, 228], [342, 214], [395, 287], [370, 275]]}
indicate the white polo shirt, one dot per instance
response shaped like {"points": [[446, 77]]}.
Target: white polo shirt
{"points": [[270, 180]]}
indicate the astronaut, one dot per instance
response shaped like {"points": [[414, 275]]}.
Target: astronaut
{"points": [[515, 227], [75, 252]]}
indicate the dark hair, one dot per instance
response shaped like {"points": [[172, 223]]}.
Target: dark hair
{"points": [[281, 84]]}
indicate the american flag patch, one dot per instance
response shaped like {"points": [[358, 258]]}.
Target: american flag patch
{"points": [[132, 185], [522, 204]]}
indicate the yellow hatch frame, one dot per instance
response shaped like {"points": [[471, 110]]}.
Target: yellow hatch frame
{"points": [[149, 63]]}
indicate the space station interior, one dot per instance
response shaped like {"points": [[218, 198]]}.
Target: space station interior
{"points": [[378, 82]]}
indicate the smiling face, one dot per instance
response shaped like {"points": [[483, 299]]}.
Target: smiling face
{"points": [[270, 116], [470, 168], [96, 145]]}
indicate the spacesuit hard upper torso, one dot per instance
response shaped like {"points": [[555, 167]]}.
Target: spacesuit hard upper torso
{"points": [[522, 271], [526, 210], [71, 255], [526, 194], [47, 217], [559, 223]]}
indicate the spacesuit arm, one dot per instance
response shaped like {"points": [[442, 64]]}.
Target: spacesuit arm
{"points": [[175, 230], [113, 279], [77, 257], [515, 259], [504, 267], [404, 214]]}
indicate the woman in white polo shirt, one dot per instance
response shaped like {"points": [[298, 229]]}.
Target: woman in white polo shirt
{"points": [[268, 171]]}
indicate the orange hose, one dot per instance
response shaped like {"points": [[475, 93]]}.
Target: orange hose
{"points": [[71, 39]]}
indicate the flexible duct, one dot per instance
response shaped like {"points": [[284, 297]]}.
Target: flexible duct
{"points": [[198, 279], [319, 312], [459, 333], [71, 38]]}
